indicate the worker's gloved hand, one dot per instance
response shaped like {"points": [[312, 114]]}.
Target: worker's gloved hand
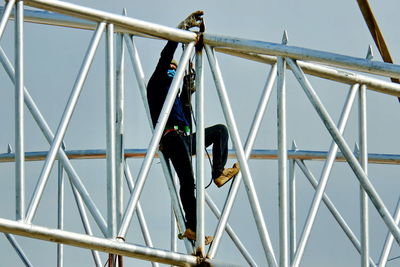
{"points": [[193, 20]]}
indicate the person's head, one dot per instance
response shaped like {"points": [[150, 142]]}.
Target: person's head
{"points": [[173, 65]]}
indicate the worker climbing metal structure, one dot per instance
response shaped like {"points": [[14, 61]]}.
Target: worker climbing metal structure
{"points": [[112, 244]]}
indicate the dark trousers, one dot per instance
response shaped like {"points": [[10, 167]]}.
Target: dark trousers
{"points": [[179, 148]]}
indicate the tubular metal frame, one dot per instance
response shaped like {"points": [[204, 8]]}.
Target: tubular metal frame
{"points": [[200, 144], [118, 220], [19, 112], [282, 163]]}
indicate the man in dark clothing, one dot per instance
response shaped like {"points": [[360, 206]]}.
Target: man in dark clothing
{"points": [[177, 144]]}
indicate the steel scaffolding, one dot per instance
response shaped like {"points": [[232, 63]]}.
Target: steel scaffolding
{"points": [[120, 32]]}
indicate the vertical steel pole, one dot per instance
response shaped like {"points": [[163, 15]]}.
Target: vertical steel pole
{"points": [[364, 164], [60, 213], [6, 16], [282, 164], [348, 154], [250, 188], [164, 114], [66, 117], [120, 101], [363, 158], [19, 112], [110, 122], [174, 231], [200, 144], [31, 105], [120, 110], [110, 260], [292, 205], [174, 226]]}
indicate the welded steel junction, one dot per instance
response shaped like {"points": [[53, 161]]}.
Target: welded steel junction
{"points": [[119, 30]]}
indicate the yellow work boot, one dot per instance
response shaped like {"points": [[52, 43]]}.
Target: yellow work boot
{"points": [[191, 235], [226, 175]]}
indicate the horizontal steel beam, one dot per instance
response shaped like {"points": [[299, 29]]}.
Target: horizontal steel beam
{"points": [[55, 19], [333, 74], [60, 20], [255, 154], [305, 54], [103, 244], [120, 21]]}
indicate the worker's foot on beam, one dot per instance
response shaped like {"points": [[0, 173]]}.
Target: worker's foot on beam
{"points": [[191, 235], [226, 175]]}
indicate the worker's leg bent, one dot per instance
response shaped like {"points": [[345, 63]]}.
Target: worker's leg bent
{"points": [[176, 149], [217, 136]]}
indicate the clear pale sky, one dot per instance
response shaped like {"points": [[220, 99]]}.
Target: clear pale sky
{"points": [[53, 57]]}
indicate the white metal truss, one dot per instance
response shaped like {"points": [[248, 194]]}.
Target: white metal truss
{"points": [[120, 31]]}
